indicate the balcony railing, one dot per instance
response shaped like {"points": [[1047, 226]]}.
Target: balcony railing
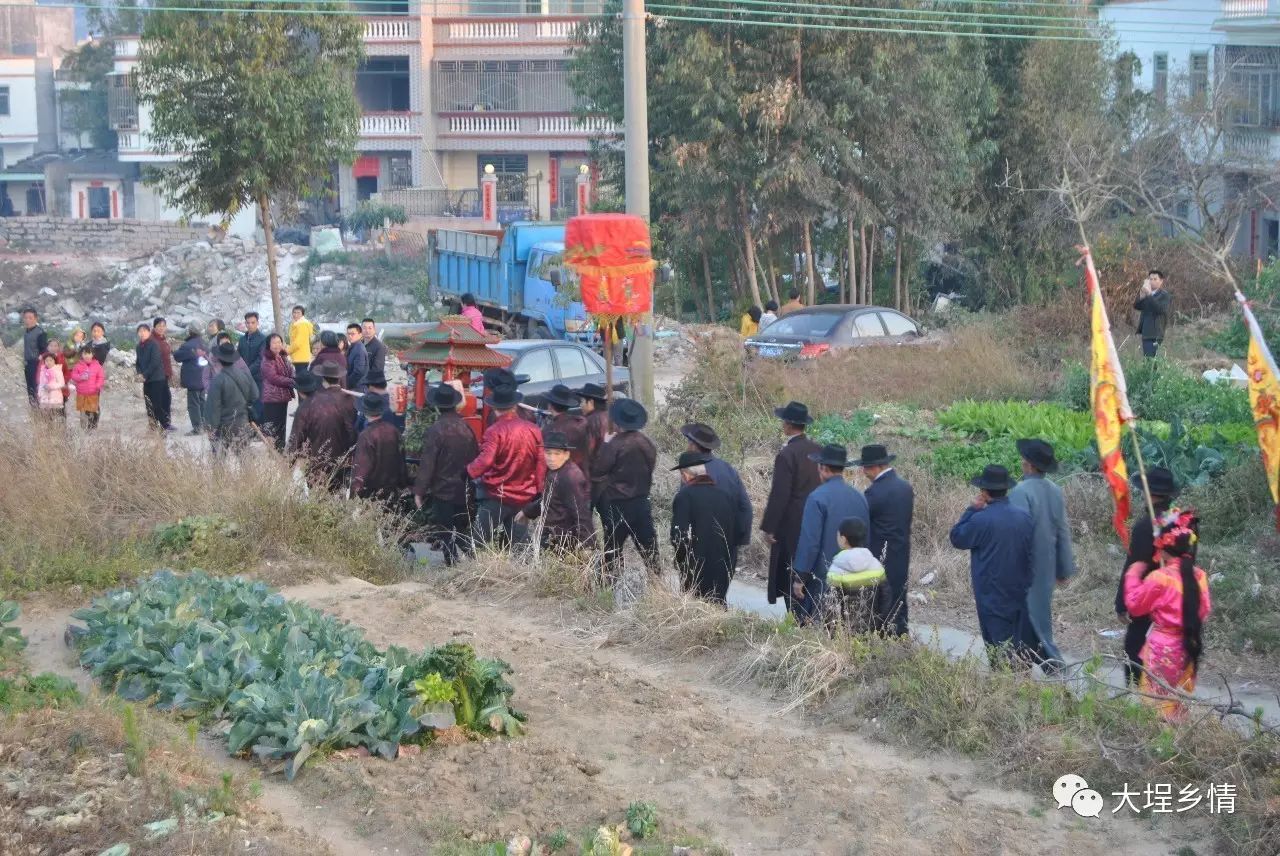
{"points": [[128, 141], [1250, 8], [523, 30], [510, 9], [433, 202], [126, 46], [1254, 146], [545, 90], [474, 124], [391, 30], [390, 125]]}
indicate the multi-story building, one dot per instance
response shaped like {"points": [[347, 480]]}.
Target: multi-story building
{"points": [[1186, 47], [447, 88]]}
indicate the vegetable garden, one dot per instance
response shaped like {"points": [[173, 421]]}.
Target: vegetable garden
{"points": [[282, 680]]}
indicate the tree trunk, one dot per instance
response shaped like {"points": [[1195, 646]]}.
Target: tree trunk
{"points": [[862, 257], [899, 293], [871, 265], [264, 211], [774, 294], [749, 246], [810, 270], [852, 281], [711, 295]]}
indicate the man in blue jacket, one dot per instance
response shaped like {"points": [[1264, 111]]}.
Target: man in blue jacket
{"points": [[703, 438], [829, 505], [193, 357], [999, 537], [250, 348]]}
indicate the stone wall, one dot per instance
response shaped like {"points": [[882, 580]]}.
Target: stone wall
{"points": [[121, 238]]}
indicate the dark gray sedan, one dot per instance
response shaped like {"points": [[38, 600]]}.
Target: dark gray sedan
{"points": [[542, 363], [815, 330]]}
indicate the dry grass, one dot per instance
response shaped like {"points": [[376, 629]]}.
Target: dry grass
{"points": [[83, 511], [69, 789]]}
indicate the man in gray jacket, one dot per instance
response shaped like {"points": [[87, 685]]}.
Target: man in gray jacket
{"points": [[1052, 560], [34, 343], [231, 395]]}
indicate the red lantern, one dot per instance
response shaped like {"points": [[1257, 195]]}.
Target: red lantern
{"points": [[613, 257]]}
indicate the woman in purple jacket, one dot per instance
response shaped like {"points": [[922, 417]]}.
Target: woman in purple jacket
{"points": [[277, 389]]}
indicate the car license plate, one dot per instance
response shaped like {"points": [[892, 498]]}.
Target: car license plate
{"points": [[766, 351]]}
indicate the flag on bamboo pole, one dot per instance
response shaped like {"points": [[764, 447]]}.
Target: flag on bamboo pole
{"points": [[1264, 398], [1110, 400]]}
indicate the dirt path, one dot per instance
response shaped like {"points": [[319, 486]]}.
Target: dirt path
{"points": [[613, 724]]}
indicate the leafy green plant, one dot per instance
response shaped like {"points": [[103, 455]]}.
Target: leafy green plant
{"points": [[11, 639], [197, 537], [642, 819], [30, 692], [289, 680], [1066, 430], [1161, 390], [965, 460], [371, 215], [848, 430], [1264, 297]]}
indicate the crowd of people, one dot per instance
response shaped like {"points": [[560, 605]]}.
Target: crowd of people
{"points": [[837, 553]]}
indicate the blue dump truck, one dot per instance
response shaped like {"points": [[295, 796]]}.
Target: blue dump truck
{"points": [[511, 278]]}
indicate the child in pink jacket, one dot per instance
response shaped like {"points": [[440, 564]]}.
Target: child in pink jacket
{"points": [[88, 377], [49, 386]]}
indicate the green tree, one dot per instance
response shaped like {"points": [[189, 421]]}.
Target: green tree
{"points": [[257, 103], [84, 111]]}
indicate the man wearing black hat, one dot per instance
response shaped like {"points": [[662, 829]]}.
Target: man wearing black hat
{"points": [[1142, 548], [704, 524], [622, 479], [378, 471], [324, 431], [502, 380], [509, 471], [891, 503], [795, 476], [565, 502], [376, 382], [595, 407], [826, 507], [999, 537], [447, 447], [227, 407], [1052, 563], [703, 438], [573, 426]]}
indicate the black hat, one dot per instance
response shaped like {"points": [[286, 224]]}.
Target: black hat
{"points": [[794, 413], [443, 397], [307, 382], [227, 353], [594, 391], [992, 477], [691, 459], [328, 369], [499, 379], [1159, 481], [873, 456], [628, 414], [557, 440], [832, 455], [701, 435], [561, 395], [374, 379], [503, 398], [373, 404], [1038, 454]]}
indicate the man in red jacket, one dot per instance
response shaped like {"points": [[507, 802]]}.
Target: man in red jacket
{"points": [[509, 471]]}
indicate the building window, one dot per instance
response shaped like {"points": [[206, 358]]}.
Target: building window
{"points": [[1253, 80], [382, 85], [122, 102], [4, 101], [1160, 77], [1199, 77], [513, 176], [512, 86], [399, 171]]}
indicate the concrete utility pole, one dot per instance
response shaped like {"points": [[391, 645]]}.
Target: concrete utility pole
{"points": [[635, 92]]}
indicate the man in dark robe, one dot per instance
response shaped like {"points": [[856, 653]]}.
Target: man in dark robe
{"points": [[595, 408], [324, 431], [795, 476], [228, 405], [565, 502], [622, 480], [573, 426], [892, 504], [447, 447], [703, 438], [704, 530], [1000, 538], [379, 470]]}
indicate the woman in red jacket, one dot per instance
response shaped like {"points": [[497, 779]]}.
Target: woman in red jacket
{"points": [[277, 389]]}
